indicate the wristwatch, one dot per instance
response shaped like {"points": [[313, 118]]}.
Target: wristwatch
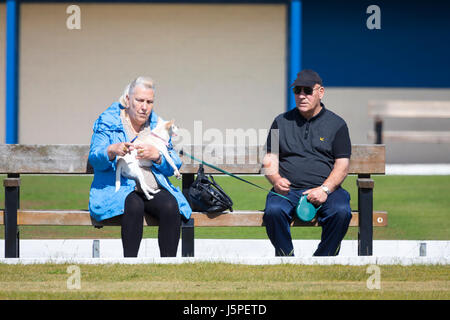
{"points": [[325, 189]]}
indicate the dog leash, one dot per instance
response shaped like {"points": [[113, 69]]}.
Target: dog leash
{"points": [[181, 152]]}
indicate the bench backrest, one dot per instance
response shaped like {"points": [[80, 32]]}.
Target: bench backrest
{"points": [[409, 109], [73, 159]]}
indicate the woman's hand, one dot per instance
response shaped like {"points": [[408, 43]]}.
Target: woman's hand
{"points": [[148, 152], [119, 149]]}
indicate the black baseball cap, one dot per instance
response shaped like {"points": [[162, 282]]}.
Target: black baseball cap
{"points": [[307, 78]]}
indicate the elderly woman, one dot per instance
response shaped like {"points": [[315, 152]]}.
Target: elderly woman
{"points": [[113, 131]]}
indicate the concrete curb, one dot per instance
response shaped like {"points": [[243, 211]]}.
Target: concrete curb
{"points": [[354, 261]]}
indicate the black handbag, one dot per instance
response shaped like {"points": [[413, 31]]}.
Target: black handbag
{"points": [[206, 195]]}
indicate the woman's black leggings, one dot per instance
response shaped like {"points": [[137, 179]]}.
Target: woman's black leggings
{"points": [[164, 208]]}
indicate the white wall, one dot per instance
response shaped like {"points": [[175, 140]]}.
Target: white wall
{"points": [[222, 64]]}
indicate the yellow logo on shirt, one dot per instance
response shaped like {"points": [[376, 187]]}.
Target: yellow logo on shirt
{"points": [[322, 139]]}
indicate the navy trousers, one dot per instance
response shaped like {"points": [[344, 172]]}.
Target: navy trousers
{"points": [[334, 217]]}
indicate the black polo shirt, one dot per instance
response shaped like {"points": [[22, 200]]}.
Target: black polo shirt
{"points": [[308, 148]]}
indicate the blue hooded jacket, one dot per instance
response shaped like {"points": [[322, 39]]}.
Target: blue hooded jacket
{"points": [[104, 201]]}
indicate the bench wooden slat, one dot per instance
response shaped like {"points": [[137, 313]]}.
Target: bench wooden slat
{"points": [[254, 218], [73, 159], [236, 218], [415, 136], [51, 158], [368, 159], [409, 109]]}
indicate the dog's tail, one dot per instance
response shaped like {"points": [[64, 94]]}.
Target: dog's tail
{"points": [[118, 174]]}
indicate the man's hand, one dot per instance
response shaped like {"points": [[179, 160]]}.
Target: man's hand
{"points": [[270, 168], [316, 196], [282, 185]]}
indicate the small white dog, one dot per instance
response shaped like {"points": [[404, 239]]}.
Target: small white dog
{"points": [[130, 167]]}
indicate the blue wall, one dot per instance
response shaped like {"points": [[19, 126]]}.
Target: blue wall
{"points": [[412, 49]]}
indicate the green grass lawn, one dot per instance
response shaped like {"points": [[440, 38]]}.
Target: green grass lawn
{"points": [[418, 207], [223, 281]]}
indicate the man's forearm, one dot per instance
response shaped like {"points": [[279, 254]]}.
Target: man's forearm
{"points": [[270, 168], [338, 174], [272, 178]]}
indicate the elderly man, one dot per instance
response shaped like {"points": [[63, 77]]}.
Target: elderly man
{"points": [[311, 157]]}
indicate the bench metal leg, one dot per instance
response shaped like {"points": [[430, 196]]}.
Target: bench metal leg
{"points": [[365, 208], [10, 219], [187, 227], [187, 238], [378, 130], [186, 181]]}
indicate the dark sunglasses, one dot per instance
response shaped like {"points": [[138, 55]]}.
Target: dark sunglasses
{"points": [[306, 90]]}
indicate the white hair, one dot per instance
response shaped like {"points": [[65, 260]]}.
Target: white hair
{"points": [[145, 82]]}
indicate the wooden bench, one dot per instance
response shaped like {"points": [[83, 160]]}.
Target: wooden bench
{"points": [[72, 160], [381, 110]]}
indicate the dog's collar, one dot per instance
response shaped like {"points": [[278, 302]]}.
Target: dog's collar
{"points": [[165, 142]]}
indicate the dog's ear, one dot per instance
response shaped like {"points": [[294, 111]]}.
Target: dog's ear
{"points": [[169, 124]]}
